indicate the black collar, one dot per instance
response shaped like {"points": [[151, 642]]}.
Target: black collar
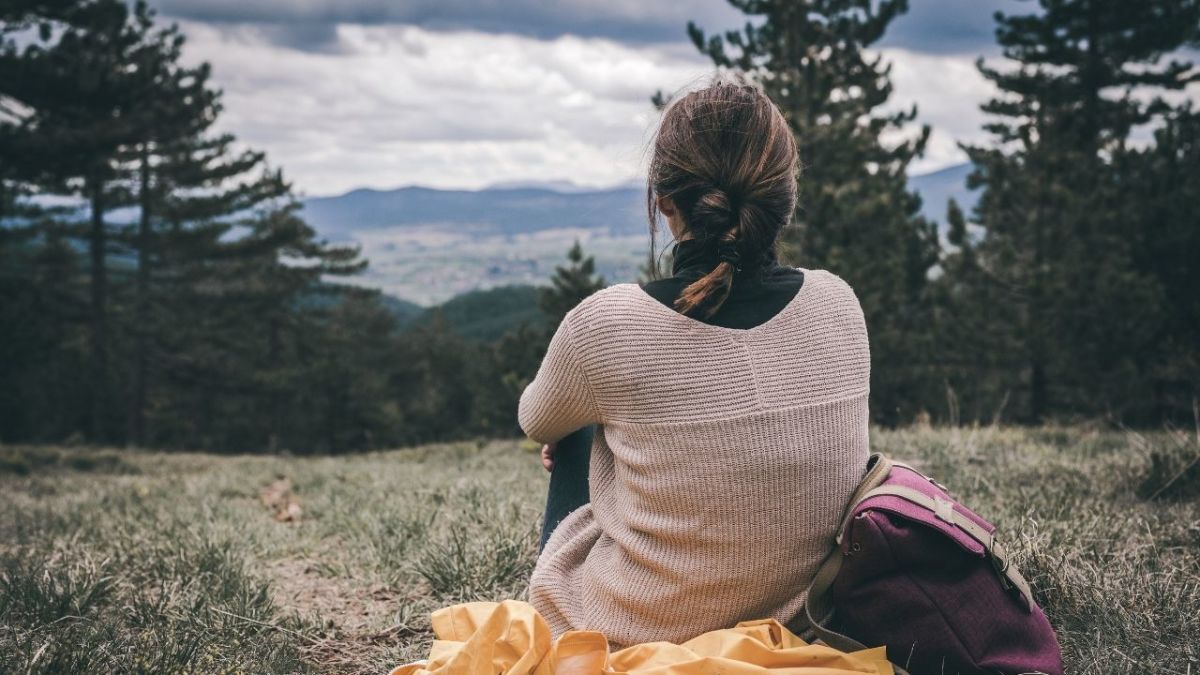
{"points": [[692, 253]]}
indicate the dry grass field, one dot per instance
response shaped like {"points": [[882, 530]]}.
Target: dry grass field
{"points": [[138, 562]]}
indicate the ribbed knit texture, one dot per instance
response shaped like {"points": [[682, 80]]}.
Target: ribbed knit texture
{"points": [[722, 463]]}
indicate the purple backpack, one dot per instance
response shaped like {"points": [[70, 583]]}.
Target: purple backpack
{"points": [[924, 575]]}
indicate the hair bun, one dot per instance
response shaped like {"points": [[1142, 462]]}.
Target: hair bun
{"points": [[714, 211]]}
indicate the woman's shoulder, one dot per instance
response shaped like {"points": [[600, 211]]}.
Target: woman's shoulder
{"points": [[829, 283], [812, 275], [831, 298], [613, 310], [601, 302]]}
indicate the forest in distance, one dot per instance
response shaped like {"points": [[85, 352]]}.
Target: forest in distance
{"points": [[216, 317]]}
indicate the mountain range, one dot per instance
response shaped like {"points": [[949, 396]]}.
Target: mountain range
{"points": [[427, 245]]}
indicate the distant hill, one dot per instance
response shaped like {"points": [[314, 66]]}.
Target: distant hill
{"points": [[406, 312], [428, 246], [489, 314], [502, 210], [938, 187]]}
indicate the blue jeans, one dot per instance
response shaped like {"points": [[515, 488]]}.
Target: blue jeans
{"points": [[569, 479]]}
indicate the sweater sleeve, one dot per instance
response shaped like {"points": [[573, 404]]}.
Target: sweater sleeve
{"points": [[559, 400]]}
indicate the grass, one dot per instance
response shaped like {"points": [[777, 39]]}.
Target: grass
{"points": [[121, 561]]}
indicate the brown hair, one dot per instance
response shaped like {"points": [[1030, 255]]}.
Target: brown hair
{"points": [[726, 158]]}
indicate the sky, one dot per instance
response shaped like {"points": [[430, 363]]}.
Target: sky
{"points": [[345, 94]]}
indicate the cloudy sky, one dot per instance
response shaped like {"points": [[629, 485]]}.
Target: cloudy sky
{"points": [[468, 93]]}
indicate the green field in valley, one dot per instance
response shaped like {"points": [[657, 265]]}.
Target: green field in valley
{"points": [[125, 561]]}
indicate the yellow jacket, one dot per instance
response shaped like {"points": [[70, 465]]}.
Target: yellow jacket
{"points": [[486, 638]]}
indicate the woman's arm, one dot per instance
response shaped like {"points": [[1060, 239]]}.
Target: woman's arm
{"points": [[560, 399]]}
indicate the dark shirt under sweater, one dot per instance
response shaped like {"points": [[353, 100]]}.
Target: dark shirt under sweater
{"points": [[758, 293]]}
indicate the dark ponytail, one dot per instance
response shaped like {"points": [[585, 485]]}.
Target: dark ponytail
{"points": [[725, 156]]}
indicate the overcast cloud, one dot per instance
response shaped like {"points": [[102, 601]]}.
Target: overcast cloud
{"points": [[457, 93], [940, 26]]}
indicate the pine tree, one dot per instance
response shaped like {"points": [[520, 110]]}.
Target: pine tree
{"points": [[41, 319], [855, 215], [81, 93], [1164, 189], [570, 285], [241, 320], [192, 187], [100, 108], [1056, 250], [173, 165], [438, 395], [351, 345], [515, 358]]}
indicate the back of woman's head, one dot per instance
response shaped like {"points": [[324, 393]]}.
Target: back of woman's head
{"points": [[725, 158]]}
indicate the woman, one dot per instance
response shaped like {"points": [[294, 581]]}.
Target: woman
{"points": [[725, 407]]}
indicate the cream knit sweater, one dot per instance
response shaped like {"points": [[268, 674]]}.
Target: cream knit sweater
{"points": [[723, 460]]}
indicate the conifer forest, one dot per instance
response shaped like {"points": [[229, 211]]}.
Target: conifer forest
{"points": [[160, 286]]}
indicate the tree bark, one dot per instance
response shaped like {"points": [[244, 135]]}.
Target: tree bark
{"points": [[99, 315], [137, 399]]}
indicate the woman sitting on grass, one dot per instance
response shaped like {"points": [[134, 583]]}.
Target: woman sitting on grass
{"points": [[705, 430]]}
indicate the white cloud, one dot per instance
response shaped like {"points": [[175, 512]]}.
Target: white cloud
{"points": [[948, 91], [398, 105], [296, 21]]}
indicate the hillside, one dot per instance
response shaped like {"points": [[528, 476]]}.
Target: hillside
{"points": [[406, 312], [428, 245], [488, 314]]}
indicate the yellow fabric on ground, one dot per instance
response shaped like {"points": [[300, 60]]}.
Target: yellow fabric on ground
{"points": [[486, 638]]}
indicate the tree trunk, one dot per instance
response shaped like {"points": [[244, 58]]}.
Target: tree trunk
{"points": [[1037, 392], [99, 316], [137, 399]]}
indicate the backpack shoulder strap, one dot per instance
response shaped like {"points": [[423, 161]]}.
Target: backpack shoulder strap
{"points": [[818, 609], [879, 466], [816, 604]]}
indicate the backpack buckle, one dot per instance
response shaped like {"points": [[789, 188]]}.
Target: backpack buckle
{"points": [[944, 509]]}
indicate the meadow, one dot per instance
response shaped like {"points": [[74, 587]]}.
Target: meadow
{"points": [[128, 561]]}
